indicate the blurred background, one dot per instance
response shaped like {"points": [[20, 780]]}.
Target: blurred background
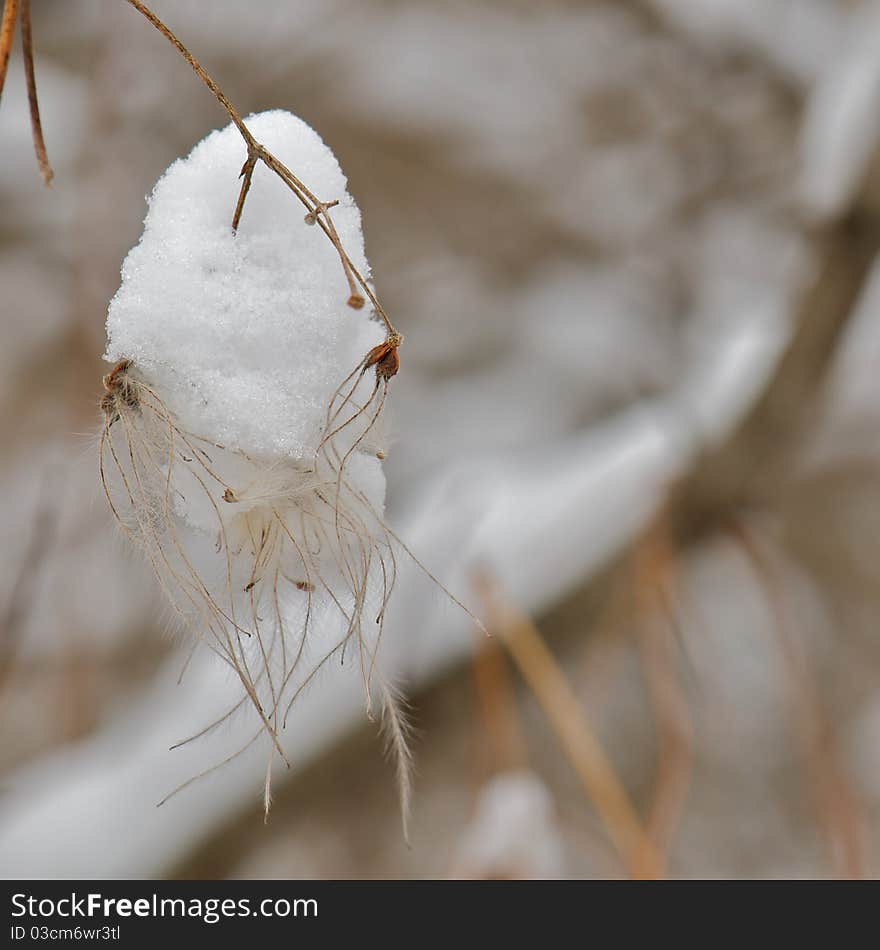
{"points": [[631, 246]]}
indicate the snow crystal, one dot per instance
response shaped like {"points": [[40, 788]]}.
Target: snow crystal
{"points": [[246, 335]]}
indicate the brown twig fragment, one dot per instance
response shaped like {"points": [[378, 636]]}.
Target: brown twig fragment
{"points": [[7, 33], [247, 174], [581, 745], [27, 42]]}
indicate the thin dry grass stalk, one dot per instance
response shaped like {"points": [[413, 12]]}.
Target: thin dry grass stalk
{"points": [[581, 745], [654, 567], [497, 708], [840, 812]]}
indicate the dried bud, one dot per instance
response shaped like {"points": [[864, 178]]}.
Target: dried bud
{"points": [[384, 357], [311, 217]]}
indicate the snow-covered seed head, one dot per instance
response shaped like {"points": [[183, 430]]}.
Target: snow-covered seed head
{"points": [[239, 443]]}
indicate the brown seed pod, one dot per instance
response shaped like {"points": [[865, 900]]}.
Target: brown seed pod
{"points": [[384, 357]]}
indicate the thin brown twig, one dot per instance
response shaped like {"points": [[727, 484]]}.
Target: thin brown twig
{"points": [[247, 174], [144, 10], [654, 567], [27, 41], [7, 33], [497, 705], [316, 209], [840, 811], [581, 745]]}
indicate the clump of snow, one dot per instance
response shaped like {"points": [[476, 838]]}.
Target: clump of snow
{"points": [[514, 832], [246, 335], [239, 450]]}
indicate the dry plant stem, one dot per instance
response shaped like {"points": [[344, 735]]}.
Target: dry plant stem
{"points": [[840, 812], [497, 706], [317, 210], [655, 574], [7, 33], [247, 174], [27, 41], [581, 746]]}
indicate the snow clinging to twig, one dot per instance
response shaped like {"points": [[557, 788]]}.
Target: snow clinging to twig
{"points": [[247, 333], [241, 448]]}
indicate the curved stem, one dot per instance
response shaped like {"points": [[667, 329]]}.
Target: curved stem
{"points": [[317, 210]]}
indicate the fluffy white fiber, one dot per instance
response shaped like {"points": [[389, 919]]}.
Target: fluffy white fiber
{"points": [[246, 334]]}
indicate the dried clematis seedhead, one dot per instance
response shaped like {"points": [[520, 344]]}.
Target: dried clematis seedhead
{"points": [[119, 390], [230, 452]]}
